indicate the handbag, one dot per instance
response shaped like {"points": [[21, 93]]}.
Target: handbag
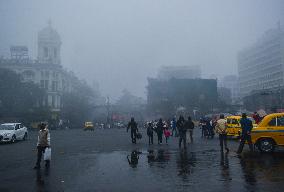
{"points": [[47, 154]]}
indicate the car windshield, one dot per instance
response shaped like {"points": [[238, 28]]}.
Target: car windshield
{"points": [[6, 127]]}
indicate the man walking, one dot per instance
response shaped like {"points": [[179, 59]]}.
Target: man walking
{"points": [[133, 129], [221, 129], [182, 131], [189, 125], [247, 126], [159, 130], [42, 143]]}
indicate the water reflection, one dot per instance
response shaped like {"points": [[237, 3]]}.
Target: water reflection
{"points": [[225, 167], [40, 182], [185, 163], [249, 171], [161, 156], [133, 158]]}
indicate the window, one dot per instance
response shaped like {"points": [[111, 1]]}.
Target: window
{"points": [[46, 84], [53, 101], [277, 121], [47, 74], [45, 51], [235, 121], [55, 53], [41, 83], [280, 121]]}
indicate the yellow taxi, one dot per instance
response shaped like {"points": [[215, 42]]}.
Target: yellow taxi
{"points": [[234, 127], [89, 126], [269, 133]]}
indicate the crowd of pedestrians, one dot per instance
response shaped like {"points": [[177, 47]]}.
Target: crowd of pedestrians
{"points": [[183, 129]]}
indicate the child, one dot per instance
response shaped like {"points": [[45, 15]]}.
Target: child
{"points": [[167, 133], [150, 130]]}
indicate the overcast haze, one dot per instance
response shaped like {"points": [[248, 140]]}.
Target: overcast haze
{"points": [[119, 43]]}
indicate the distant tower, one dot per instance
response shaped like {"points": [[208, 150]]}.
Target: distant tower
{"points": [[49, 44]]}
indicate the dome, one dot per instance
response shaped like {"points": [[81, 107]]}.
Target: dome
{"points": [[48, 34]]}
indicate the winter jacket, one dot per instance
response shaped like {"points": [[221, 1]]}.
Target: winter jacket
{"points": [[246, 125], [43, 138]]}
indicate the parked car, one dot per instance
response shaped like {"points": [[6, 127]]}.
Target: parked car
{"points": [[10, 132], [89, 126], [269, 133]]}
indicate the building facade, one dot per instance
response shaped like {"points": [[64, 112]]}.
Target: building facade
{"points": [[261, 66], [179, 72], [46, 70], [231, 82]]}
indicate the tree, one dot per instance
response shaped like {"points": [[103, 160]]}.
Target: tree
{"points": [[20, 100], [78, 104]]}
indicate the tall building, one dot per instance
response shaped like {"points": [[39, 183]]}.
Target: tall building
{"points": [[46, 71], [179, 72], [231, 82], [261, 66]]}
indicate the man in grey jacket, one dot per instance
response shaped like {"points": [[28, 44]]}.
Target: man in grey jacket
{"points": [[42, 143]]}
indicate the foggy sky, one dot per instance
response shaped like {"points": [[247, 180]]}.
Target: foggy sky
{"points": [[119, 43]]}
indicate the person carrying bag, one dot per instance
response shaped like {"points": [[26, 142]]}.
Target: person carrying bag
{"points": [[43, 146]]}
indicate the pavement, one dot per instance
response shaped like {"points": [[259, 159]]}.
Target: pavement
{"points": [[98, 161]]}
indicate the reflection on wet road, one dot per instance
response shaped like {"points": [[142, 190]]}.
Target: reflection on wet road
{"points": [[170, 170], [96, 163]]}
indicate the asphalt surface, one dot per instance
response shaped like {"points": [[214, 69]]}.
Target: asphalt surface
{"points": [[97, 161]]}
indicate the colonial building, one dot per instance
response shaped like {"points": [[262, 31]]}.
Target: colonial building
{"points": [[46, 70], [261, 66]]}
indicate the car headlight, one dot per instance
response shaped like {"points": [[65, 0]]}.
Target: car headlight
{"points": [[7, 134]]}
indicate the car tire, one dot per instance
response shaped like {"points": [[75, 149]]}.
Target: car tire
{"points": [[13, 139], [25, 137], [266, 145]]}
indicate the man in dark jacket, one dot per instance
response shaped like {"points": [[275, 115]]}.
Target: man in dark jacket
{"points": [[247, 126], [159, 130], [133, 129], [182, 131], [189, 125]]}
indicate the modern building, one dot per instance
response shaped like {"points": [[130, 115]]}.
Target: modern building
{"points": [[46, 70], [166, 97], [261, 66], [179, 72], [231, 82]]}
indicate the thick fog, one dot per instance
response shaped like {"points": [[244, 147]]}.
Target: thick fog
{"points": [[119, 43]]}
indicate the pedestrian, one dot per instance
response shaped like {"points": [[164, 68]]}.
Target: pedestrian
{"points": [[167, 133], [133, 129], [221, 129], [159, 130], [202, 124], [42, 143], [150, 131], [256, 117], [174, 127], [182, 131], [189, 127], [246, 125]]}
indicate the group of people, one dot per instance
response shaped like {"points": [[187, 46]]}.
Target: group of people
{"points": [[246, 125], [164, 129], [180, 128], [184, 130]]}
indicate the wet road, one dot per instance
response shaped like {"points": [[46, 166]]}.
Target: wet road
{"points": [[105, 160]]}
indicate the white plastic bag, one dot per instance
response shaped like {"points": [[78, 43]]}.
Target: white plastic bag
{"points": [[47, 154]]}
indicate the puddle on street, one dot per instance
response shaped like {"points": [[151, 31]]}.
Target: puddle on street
{"points": [[168, 170]]}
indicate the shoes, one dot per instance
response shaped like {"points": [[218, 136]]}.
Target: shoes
{"points": [[36, 167]]}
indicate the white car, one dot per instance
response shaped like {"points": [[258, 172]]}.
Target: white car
{"points": [[10, 132]]}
